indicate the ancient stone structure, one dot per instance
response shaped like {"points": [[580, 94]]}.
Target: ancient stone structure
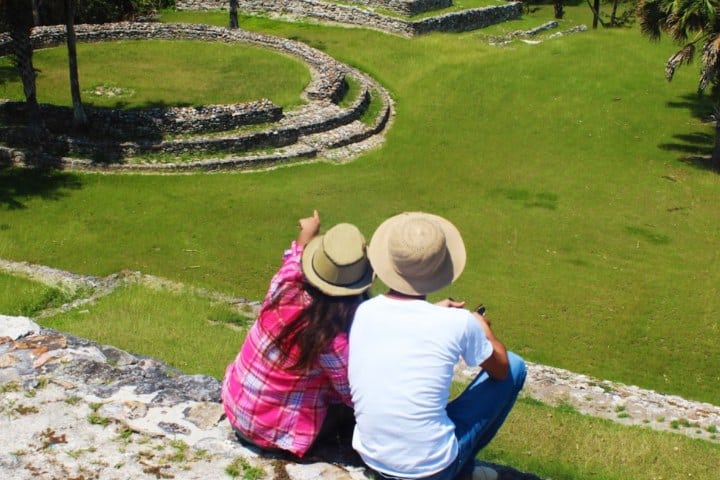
{"points": [[460, 21], [154, 122], [406, 7], [319, 128]]}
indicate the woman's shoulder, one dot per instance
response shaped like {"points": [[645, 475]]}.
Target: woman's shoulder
{"points": [[339, 342]]}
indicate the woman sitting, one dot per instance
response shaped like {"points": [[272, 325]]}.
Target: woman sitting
{"points": [[287, 389]]}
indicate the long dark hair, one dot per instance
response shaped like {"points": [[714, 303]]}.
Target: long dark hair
{"points": [[315, 327]]}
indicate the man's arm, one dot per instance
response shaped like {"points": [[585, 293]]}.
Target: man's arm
{"points": [[497, 364]]}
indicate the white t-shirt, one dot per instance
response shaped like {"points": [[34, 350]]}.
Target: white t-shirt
{"points": [[402, 354]]}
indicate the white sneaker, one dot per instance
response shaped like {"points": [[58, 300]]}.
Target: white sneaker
{"points": [[484, 473]]}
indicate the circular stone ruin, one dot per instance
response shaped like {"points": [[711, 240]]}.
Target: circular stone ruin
{"points": [[320, 128]]}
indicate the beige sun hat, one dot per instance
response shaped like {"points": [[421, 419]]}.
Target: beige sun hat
{"points": [[417, 253], [336, 263]]}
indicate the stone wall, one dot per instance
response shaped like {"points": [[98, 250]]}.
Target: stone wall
{"points": [[155, 122], [467, 20], [403, 7], [407, 7], [460, 21]]}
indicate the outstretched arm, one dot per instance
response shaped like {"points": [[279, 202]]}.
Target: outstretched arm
{"points": [[309, 227]]}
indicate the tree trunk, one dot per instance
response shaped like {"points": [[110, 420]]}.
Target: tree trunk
{"points": [[596, 13], [559, 9], [36, 13], [233, 15], [595, 9], [79, 117], [715, 160], [22, 57], [613, 16]]}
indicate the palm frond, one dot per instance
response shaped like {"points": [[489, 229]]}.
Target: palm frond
{"points": [[695, 18], [683, 56], [675, 27], [710, 62], [651, 18]]}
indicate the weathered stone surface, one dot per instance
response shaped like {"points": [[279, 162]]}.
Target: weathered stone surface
{"points": [[14, 327], [139, 418], [9, 360], [322, 470], [204, 415]]}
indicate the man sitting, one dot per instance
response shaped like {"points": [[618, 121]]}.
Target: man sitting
{"points": [[402, 353]]}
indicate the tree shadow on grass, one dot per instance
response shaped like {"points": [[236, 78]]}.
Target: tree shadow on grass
{"points": [[8, 74], [695, 148], [20, 184], [103, 141], [125, 105]]}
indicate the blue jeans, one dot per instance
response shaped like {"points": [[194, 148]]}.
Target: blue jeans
{"points": [[478, 414]]}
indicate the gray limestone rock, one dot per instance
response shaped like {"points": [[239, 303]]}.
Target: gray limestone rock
{"points": [[16, 327]]}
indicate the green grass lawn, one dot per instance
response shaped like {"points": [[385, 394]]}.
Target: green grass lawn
{"points": [[560, 444], [23, 297], [568, 166], [198, 73], [192, 331]]}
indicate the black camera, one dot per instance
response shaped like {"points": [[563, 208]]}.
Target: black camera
{"points": [[480, 309]]}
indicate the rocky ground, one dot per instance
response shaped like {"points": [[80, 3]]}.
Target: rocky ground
{"points": [[72, 409]]}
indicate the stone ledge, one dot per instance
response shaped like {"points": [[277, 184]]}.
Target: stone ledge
{"points": [[82, 410]]}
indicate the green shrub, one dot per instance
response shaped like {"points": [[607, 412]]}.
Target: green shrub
{"points": [[101, 11]]}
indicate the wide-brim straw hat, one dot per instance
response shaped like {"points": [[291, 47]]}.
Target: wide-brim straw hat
{"points": [[336, 263], [417, 253]]}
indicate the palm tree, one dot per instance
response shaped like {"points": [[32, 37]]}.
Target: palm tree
{"points": [[595, 8], [16, 17], [690, 23], [79, 117]]}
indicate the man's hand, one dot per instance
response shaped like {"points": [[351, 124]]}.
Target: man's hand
{"points": [[450, 303]]}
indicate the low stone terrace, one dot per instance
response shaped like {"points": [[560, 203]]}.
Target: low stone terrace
{"points": [[369, 13], [321, 128]]}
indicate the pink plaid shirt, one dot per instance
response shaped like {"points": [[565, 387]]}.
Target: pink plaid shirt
{"points": [[275, 406]]}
